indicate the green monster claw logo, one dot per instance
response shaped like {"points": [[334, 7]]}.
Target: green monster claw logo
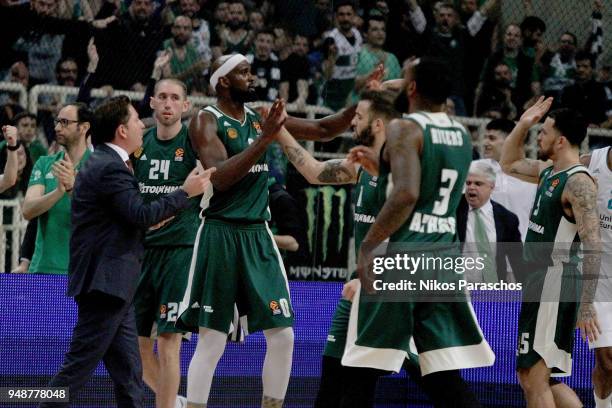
{"points": [[328, 193]]}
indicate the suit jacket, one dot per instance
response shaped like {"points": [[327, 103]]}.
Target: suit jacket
{"points": [[109, 220], [506, 231]]}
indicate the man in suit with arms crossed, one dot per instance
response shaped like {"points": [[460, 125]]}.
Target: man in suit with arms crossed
{"points": [[109, 219]]}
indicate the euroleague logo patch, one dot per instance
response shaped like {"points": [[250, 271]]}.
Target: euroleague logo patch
{"points": [[138, 152], [178, 154], [275, 307], [162, 311], [232, 133], [257, 127]]}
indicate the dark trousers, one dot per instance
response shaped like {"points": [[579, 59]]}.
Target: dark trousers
{"points": [[355, 387], [105, 331]]}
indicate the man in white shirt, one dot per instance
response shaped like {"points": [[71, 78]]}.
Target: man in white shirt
{"points": [[514, 194]]}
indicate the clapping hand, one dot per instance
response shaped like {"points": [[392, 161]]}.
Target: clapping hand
{"points": [[63, 170]]}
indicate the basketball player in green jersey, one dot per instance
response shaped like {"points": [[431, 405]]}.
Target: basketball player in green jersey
{"points": [[161, 165], [428, 155], [564, 211], [235, 259], [373, 113]]}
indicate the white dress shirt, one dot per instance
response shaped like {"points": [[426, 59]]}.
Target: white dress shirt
{"points": [[486, 213], [470, 250], [514, 194]]}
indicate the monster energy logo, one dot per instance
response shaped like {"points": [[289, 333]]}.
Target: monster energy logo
{"points": [[328, 193]]}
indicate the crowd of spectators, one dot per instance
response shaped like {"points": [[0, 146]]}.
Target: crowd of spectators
{"points": [[316, 52]]}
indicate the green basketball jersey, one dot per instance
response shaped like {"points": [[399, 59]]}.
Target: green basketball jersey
{"points": [[247, 200], [51, 253], [161, 167], [547, 222], [445, 161], [370, 195]]}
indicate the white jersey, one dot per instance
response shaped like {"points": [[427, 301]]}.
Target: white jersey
{"points": [[514, 194], [603, 298], [346, 61], [602, 173]]}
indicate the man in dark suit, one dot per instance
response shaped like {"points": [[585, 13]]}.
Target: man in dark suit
{"points": [[481, 220], [109, 220]]}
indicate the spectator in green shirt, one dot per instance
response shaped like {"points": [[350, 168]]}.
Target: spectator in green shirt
{"points": [[51, 182], [372, 54], [185, 62]]}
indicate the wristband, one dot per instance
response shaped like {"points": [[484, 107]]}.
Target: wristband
{"points": [[13, 148]]}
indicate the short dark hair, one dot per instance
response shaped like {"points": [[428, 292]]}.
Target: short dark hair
{"points": [[583, 55], [571, 124], [533, 23], [24, 114], [432, 79], [502, 125], [62, 60], [265, 30], [108, 117], [574, 38], [375, 17], [343, 3], [84, 114], [381, 104]]}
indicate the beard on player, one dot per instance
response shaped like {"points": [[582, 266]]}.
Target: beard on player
{"points": [[242, 96], [365, 137], [544, 154]]}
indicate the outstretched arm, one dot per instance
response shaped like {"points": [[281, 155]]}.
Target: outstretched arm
{"points": [[321, 129], [513, 160], [212, 153], [339, 171], [580, 194]]}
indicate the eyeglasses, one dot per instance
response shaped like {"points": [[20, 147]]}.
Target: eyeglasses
{"points": [[64, 122]]}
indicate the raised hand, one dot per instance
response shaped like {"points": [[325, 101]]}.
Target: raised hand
{"points": [[534, 114], [92, 54], [103, 23], [375, 78], [10, 134], [275, 119]]}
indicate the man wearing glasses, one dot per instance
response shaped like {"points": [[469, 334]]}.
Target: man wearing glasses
{"points": [[50, 187]]}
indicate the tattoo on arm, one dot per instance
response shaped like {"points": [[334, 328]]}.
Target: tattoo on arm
{"points": [[582, 196], [295, 155], [526, 169], [335, 172]]}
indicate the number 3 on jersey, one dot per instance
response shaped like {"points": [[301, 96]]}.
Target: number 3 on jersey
{"points": [[448, 176], [157, 167]]}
